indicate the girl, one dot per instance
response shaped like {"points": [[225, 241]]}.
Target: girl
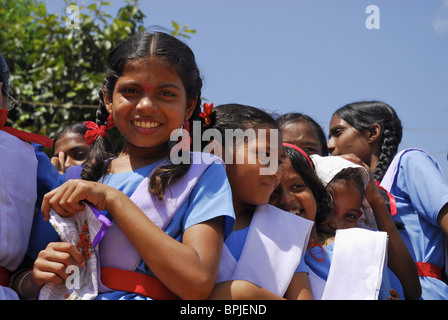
{"points": [[251, 192], [349, 184], [17, 191], [152, 87], [300, 191], [303, 131], [419, 193], [70, 148]]}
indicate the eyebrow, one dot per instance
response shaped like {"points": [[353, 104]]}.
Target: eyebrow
{"points": [[163, 86]]}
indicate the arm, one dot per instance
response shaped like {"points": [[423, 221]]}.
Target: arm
{"points": [[188, 268], [241, 290], [400, 260], [442, 219], [299, 287]]}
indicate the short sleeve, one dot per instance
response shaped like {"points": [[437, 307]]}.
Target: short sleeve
{"points": [[302, 267], [422, 182], [210, 198]]}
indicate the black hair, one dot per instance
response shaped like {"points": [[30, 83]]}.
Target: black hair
{"points": [[238, 116], [323, 198], [79, 128], [141, 46], [4, 74], [350, 174], [286, 118], [362, 115]]}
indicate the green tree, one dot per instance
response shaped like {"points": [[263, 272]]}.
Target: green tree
{"points": [[57, 66]]}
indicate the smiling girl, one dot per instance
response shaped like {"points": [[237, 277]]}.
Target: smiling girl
{"points": [[251, 276], [152, 88]]}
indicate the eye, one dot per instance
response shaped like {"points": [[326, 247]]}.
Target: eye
{"points": [[336, 132], [297, 188], [167, 93], [310, 150], [352, 217], [80, 155], [129, 91]]}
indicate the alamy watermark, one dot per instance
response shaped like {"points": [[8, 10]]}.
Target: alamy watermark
{"points": [[373, 20], [72, 21], [267, 146]]}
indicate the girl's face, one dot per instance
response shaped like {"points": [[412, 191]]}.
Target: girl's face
{"points": [[149, 102], [249, 187], [74, 147], [302, 135], [346, 206], [345, 139], [293, 195]]}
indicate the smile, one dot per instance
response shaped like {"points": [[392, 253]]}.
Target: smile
{"points": [[296, 212], [146, 124]]}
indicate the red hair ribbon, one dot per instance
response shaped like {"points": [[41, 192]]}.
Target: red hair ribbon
{"points": [[392, 202], [206, 114], [300, 150], [93, 130]]}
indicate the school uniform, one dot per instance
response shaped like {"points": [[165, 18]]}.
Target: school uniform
{"points": [[209, 197], [17, 198], [420, 191], [268, 252]]}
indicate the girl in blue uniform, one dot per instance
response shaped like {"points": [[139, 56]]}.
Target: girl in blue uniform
{"points": [[419, 192], [151, 89], [251, 189]]}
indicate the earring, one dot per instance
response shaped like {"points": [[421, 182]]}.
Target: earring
{"points": [[186, 125]]}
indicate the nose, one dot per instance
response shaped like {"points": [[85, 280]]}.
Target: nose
{"points": [[333, 222], [69, 161], [331, 145], [147, 105], [286, 199], [278, 174]]}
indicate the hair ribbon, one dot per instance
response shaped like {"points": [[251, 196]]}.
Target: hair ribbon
{"points": [[300, 150], [206, 114], [93, 130]]}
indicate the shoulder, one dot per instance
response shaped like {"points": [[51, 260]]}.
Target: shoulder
{"points": [[415, 158], [206, 164]]}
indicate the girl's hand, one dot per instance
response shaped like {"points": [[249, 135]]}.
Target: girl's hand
{"points": [[67, 199], [393, 295], [52, 263], [372, 190], [59, 162]]}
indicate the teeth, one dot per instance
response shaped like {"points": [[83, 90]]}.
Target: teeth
{"points": [[145, 125], [296, 211]]}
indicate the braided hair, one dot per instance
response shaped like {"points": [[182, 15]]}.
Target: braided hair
{"points": [[361, 115], [144, 45]]}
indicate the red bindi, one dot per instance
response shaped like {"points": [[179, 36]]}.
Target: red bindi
{"points": [[148, 88]]}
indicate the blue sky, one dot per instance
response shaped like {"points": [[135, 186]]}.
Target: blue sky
{"points": [[313, 56]]}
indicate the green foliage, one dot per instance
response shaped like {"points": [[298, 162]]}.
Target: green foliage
{"points": [[56, 69]]}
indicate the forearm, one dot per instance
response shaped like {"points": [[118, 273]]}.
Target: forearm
{"points": [[21, 282], [241, 290], [179, 265], [442, 219], [399, 259]]}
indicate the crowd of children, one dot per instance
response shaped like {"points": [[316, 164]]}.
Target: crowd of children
{"points": [[266, 209]]}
